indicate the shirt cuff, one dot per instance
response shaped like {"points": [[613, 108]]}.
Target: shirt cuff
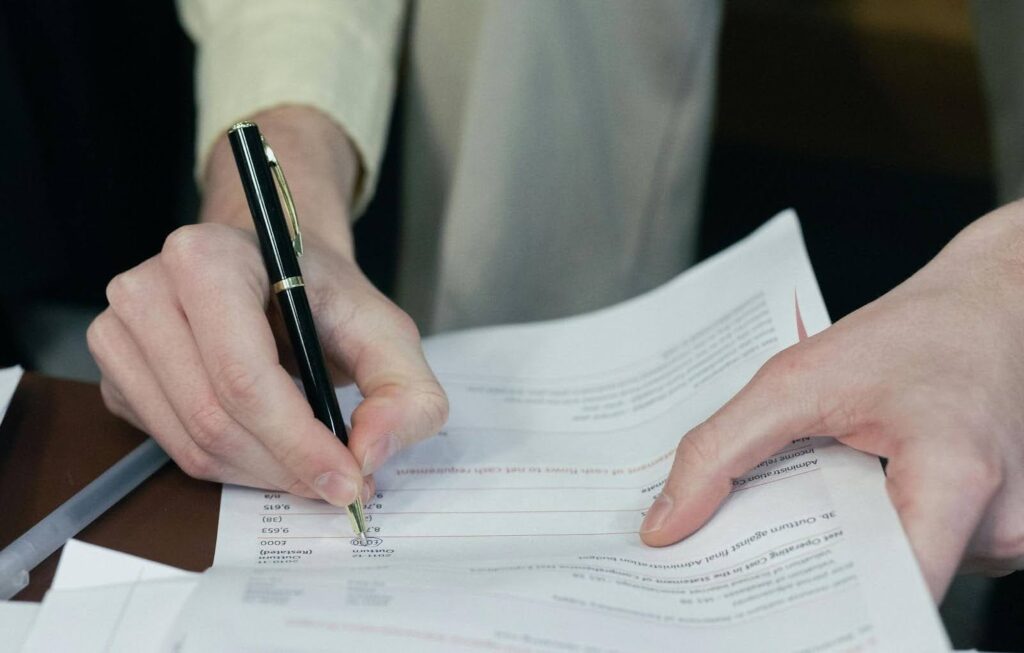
{"points": [[338, 58]]}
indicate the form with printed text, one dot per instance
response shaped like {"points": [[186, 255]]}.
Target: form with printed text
{"points": [[515, 529]]}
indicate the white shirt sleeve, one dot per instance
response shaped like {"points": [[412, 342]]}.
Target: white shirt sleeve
{"points": [[338, 56]]}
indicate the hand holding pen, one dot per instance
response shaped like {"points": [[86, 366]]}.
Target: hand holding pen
{"points": [[189, 354]]}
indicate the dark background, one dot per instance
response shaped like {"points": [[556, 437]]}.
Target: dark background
{"points": [[96, 113], [867, 117]]}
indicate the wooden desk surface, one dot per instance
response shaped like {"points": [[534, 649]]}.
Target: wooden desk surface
{"points": [[56, 438]]}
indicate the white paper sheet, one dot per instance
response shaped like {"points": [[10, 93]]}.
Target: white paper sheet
{"points": [[9, 378], [104, 601], [516, 527], [83, 565], [16, 619]]}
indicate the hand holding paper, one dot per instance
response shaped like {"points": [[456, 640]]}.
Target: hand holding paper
{"points": [[929, 376], [523, 513]]}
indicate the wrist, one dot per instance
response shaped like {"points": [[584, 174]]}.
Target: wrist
{"points": [[321, 166]]}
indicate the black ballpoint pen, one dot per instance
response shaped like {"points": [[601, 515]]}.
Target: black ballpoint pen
{"points": [[281, 245]]}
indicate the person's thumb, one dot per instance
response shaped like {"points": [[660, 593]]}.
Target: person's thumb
{"points": [[777, 406], [402, 401]]}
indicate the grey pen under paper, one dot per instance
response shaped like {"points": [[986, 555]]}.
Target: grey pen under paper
{"points": [[40, 541]]}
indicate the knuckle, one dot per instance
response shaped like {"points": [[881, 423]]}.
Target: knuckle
{"points": [[402, 323], [183, 242], [433, 403], [238, 387], [112, 399], [199, 464], [208, 426], [786, 366], [380, 315], [198, 255], [355, 325], [125, 292], [298, 487], [107, 392], [424, 404], [793, 378], [292, 455], [186, 250], [700, 449], [97, 336]]}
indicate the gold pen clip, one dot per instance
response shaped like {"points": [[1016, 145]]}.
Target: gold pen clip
{"points": [[286, 193]]}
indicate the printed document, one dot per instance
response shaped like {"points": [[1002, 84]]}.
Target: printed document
{"points": [[515, 529]]}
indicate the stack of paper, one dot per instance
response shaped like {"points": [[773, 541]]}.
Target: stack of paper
{"points": [[516, 528]]}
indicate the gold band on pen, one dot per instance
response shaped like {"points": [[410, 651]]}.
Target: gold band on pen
{"points": [[288, 284]]}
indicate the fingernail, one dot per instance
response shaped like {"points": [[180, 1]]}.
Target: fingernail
{"points": [[366, 493], [656, 516], [379, 452], [337, 489]]}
